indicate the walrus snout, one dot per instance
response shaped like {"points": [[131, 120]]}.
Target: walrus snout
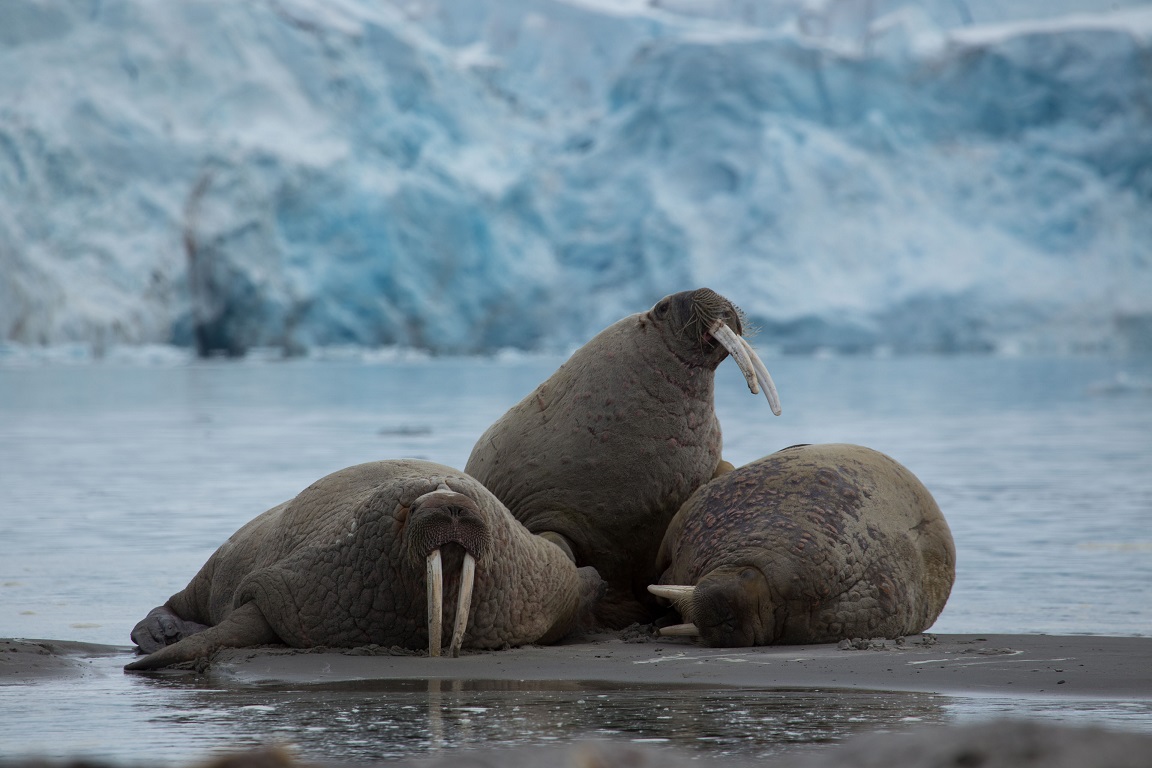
{"points": [[709, 307], [692, 315], [441, 518], [700, 324], [728, 608], [437, 519]]}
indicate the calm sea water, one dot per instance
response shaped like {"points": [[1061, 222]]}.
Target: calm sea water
{"points": [[119, 478]]}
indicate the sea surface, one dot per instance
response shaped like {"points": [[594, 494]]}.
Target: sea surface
{"points": [[120, 476]]}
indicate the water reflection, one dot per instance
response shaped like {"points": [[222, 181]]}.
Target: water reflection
{"points": [[358, 721], [177, 719]]}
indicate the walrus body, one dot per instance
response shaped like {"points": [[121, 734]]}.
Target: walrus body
{"points": [[601, 455], [349, 562], [812, 544]]}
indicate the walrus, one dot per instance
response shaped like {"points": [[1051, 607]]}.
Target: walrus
{"points": [[601, 455], [359, 558], [812, 544]]}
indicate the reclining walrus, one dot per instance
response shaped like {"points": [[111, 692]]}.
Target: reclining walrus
{"points": [[813, 544], [360, 558], [601, 455]]}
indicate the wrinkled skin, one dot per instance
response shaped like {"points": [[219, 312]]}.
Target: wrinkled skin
{"points": [[344, 564], [812, 544], [601, 455]]}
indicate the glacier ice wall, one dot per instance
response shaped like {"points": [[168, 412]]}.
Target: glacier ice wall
{"points": [[465, 176]]}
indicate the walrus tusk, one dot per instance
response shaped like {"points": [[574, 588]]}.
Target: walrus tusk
{"points": [[680, 630], [731, 342], [435, 602], [463, 603], [765, 378], [753, 368], [675, 592], [680, 595]]}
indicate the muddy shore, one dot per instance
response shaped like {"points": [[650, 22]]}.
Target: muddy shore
{"points": [[1002, 665], [248, 696]]}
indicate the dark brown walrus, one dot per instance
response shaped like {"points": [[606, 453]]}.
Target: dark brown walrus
{"points": [[359, 558], [813, 544], [601, 455]]}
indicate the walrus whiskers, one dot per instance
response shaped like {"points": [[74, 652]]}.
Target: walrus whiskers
{"points": [[435, 602]]}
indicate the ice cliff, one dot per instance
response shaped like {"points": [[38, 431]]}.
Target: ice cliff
{"points": [[470, 175]]}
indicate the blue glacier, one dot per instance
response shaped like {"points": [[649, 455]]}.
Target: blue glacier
{"points": [[466, 176]]}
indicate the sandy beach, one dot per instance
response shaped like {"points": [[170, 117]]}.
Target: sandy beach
{"points": [[1002, 665]]}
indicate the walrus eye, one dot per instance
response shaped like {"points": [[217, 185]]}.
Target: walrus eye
{"points": [[661, 309]]}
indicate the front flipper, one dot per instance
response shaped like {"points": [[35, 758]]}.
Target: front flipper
{"points": [[244, 627], [162, 627], [559, 540]]}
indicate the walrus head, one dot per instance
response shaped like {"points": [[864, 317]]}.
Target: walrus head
{"points": [[440, 519], [726, 609], [702, 327]]}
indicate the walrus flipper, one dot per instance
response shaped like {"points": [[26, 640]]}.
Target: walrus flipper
{"points": [[592, 591], [163, 627], [723, 468], [561, 541], [244, 627]]}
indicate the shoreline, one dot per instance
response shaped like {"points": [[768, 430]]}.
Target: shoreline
{"points": [[1013, 665]]}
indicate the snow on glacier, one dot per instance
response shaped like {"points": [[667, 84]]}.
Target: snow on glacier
{"points": [[469, 176]]}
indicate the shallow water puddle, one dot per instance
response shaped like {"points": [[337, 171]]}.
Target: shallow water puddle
{"points": [[177, 718]]}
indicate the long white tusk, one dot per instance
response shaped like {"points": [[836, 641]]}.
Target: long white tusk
{"points": [[463, 603], [731, 342], [763, 376], [680, 630], [435, 602], [680, 595], [671, 591]]}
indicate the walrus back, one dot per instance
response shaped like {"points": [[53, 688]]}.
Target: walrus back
{"points": [[604, 452], [272, 536], [849, 540]]}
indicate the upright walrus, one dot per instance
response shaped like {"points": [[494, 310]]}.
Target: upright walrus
{"points": [[812, 544], [601, 455], [360, 557]]}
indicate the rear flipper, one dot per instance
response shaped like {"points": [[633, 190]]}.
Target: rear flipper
{"points": [[162, 627], [244, 627], [592, 591]]}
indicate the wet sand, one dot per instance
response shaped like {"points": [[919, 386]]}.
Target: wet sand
{"points": [[357, 706], [999, 665], [26, 661], [1014, 665]]}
